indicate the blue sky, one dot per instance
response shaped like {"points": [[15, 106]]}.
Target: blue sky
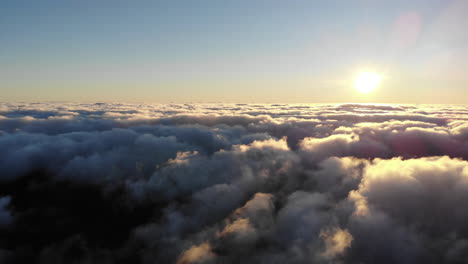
{"points": [[233, 51]]}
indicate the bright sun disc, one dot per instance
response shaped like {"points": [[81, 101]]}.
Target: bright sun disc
{"points": [[366, 82]]}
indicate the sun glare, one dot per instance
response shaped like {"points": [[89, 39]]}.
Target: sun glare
{"points": [[367, 82]]}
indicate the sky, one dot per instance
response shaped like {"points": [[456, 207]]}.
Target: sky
{"points": [[245, 51]]}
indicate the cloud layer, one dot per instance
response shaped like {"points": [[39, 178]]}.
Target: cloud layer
{"points": [[126, 183]]}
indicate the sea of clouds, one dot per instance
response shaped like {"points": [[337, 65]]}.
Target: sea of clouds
{"points": [[233, 183]]}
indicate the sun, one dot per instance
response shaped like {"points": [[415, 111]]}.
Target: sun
{"points": [[367, 82]]}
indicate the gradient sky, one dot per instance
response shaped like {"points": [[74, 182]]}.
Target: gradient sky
{"points": [[233, 51]]}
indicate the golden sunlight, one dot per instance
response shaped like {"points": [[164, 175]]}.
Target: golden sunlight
{"points": [[367, 82]]}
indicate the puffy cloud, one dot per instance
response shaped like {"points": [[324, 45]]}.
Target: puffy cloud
{"points": [[336, 242], [420, 200], [231, 183], [417, 189], [197, 254]]}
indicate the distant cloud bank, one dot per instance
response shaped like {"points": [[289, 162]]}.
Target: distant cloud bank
{"points": [[227, 183]]}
